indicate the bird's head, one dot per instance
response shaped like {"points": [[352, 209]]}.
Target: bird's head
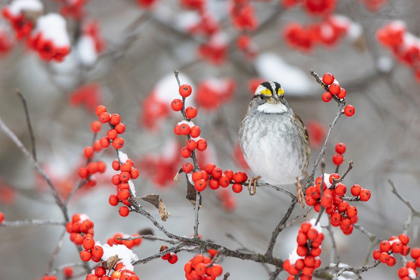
{"points": [[269, 98]]}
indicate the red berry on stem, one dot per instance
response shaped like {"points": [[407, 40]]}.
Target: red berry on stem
{"points": [[201, 144], [115, 119], [88, 152], [104, 142], [334, 89], [355, 190], [340, 148], [118, 143], [124, 211], [365, 195], [237, 188], [191, 112], [195, 131], [185, 152], [349, 110], [187, 167], [342, 94], [100, 109], [200, 185], [185, 90], [328, 78], [177, 105], [96, 126], [113, 200], [191, 145], [104, 117], [327, 96], [337, 159], [120, 128]]}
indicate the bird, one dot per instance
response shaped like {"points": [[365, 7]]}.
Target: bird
{"points": [[273, 139]]}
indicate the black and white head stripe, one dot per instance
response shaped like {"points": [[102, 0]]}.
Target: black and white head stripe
{"points": [[269, 88]]}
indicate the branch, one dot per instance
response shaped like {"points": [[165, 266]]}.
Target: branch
{"points": [[372, 240], [28, 122], [335, 257], [279, 228], [38, 168], [55, 253], [150, 237], [32, 223], [262, 185]]}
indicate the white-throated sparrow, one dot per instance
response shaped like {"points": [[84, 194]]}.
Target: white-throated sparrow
{"points": [[273, 139]]}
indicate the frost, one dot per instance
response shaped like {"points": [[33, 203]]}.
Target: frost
{"points": [[132, 187], [17, 6], [84, 217], [294, 81], [411, 273], [53, 27], [190, 123], [327, 180], [347, 275], [293, 257], [86, 50], [126, 255]]}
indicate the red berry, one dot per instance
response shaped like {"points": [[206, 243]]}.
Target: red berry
{"points": [[100, 271], [120, 128], [195, 131], [415, 253], [113, 200], [376, 254], [134, 173], [96, 126], [187, 167], [116, 165], [185, 90], [364, 195], [104, 142], [97, 252], [191, 112], [355, 190], [340, 148], [237, 188], [200, 185], [85, 255], [224, 181], [184, 129], [104, 117], [201, 144], [185, 152], [385, 246], [337, 159], [209, 168], [342, 94], [124, 211], [118, 143], [100, 109], [349, 110], [83, 172], [217, 173], [173, 259], [214, 184], [334, 89], [68, 272], [328, 78], [115, 119], [112, 134], [177, 105], [191, 145], [88, 243], [334, 176], [404, 238], [351, 211], [88, 152], [326, 96]]}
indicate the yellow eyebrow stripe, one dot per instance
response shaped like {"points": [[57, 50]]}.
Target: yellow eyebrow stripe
{"points": [[266, 92], [280, 91]]}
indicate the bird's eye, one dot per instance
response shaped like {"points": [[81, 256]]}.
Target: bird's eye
{"points": [[261, 97]]}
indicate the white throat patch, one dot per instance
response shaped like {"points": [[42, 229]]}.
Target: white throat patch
{"points": [[272, 108]]}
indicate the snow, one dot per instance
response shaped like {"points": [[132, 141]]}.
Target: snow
{"points": [[126, 255], [167, 88], [327, 180], [354, 31], [132, 187], [189, 123], [17, 6], [86, 50], [122, 156], [53, 27], [411, 273], [317, 227], [293, 257], [84, 217], [347, 275], [186, 19], [294, 81]]}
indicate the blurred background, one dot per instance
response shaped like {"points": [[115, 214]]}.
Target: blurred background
{"points": [[123, 54]]}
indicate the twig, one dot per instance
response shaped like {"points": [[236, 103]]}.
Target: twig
{"points": [[275, 273], [226, 276], [262, 185], [372, 240], [150, 237], [335, 257], [176, 248], [322, 209], [28, 122], [55, 253], [406, 202], [32, 223], [38, 168], [279, 228], [58, 268]]}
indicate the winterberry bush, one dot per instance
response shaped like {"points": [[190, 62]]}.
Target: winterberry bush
{"points": [[140, 168]]}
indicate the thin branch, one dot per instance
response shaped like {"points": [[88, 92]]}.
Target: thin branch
{"points": [[372, 240], [406, 202], [38, 168], [28, 122], [150, 237], [275, 273], [32, 223], [61, 267], [262, 185], [226, 276], [55, 253], [279, 228], [335, 257], [160, 254]]}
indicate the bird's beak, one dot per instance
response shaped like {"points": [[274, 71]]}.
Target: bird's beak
{"points": [[274, 99]]}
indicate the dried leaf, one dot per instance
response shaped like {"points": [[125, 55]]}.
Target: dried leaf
{"points": [[152, 199], [177, 178], [146, 231], [164, 214], [112, 261], [191, 193]]}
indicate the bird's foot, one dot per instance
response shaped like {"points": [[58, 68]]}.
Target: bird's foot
{"points": [[252, 186], [299, 193]]}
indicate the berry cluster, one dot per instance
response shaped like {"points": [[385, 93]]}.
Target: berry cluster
{"points": [[340, 149], [214, 50], [51, 44], [305, 258], [399, 245], [119, 272], [125, 188], [335, 90], [341, 213], [246, 46], [15, 14], [73, 8], [327, 33], [130, 244], [215, 177], [88, 95], [205, 25], [243, 16], [198, 268], [91, 30], [212, 93], [80, 227], [171, 257], [402, 44]]}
